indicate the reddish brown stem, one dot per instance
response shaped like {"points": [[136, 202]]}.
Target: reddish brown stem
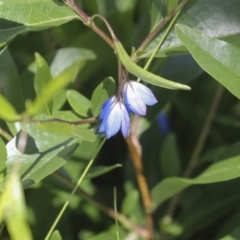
{"points": [[136, 156]]}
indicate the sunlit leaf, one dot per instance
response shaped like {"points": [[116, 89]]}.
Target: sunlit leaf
{"points": [[31, 15], [218, 58], [7, 111], [80, 104], [52, 88], [225, 19], [42, 78], [13, 210], [44, 153]]}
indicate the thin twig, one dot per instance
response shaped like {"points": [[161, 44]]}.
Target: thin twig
{"points": [[167, 219], [79, 122], [156, 30], [7, 136], [86, 20]]}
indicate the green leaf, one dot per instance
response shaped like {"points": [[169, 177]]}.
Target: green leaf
{"points": [[216, 57], [56, 235], [42, 78], [13, 210], [169, 157], [221, 171], [3, 156], [52, 88], [31, 15], [9, 80], [77, 132], [100, 170], [143, 74], [7, 111], [102, 92], [59, 100], [80, 104], [235, 235], [130, 202], [66, 57], [192, 15], [44, 153]]}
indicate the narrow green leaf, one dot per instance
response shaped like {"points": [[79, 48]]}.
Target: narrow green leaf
{"points": [[100, 170], [221, 171], [143, 74], [31, 15], [43, 75], [80, 104], [9, 81], [7, 111], [102, 92], [52, 88], [13, 210], [216, 57], [42, 78], [56, 235]]}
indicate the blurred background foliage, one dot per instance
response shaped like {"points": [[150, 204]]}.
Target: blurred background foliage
{"points": [[169, 132]]}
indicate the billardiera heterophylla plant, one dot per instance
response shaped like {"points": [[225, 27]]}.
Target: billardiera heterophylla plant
{"points": [[116, 111]]}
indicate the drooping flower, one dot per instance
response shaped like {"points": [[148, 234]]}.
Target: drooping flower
{"points": [[137, 96], [114, 117]]}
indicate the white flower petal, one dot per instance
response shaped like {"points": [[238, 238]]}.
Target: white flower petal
{"points": [[145, 93], [133, 100]]}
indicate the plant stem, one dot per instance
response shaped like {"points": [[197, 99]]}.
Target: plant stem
{"points": [[86, 20], [167, 219], [156, 30], [7, 136], [79, 122], [136, 154]]}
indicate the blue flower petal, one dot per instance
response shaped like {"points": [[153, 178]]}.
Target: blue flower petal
{"points": [[114, 119], [106, 107]]}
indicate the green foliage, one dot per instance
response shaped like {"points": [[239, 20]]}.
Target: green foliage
{"points": [[55, 76]]}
